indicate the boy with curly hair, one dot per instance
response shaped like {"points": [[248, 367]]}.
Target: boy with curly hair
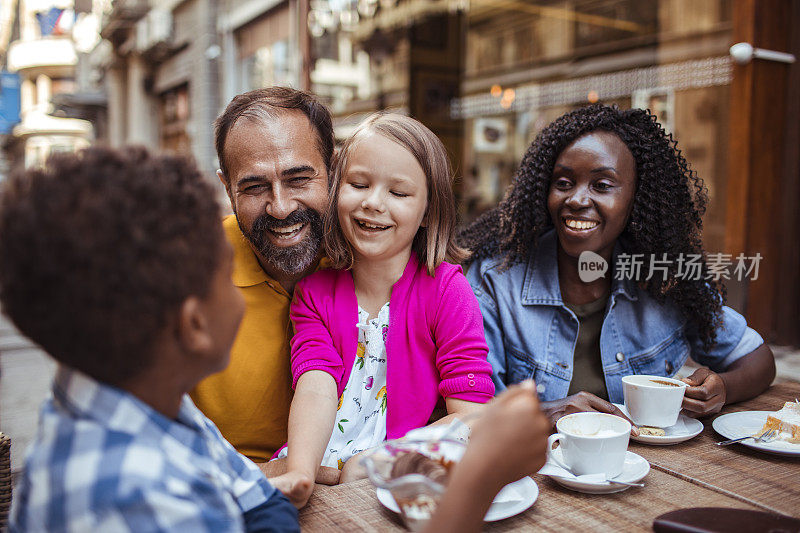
{"points": [[116, 264]]}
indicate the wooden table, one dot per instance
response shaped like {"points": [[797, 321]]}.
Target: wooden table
{"points": [[696, 473]]}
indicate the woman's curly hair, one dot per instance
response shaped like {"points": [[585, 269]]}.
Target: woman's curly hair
{"points": [[666, 217]]}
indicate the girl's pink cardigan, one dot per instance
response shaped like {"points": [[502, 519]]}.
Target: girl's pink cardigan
{"points": [[435, 344]]}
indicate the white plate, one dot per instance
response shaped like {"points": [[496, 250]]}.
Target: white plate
{"points": [[692, 426], [735, 425], [634, 469], [497, 511]]}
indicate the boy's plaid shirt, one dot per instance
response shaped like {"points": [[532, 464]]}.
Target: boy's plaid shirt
{"points": [[105, 461]]}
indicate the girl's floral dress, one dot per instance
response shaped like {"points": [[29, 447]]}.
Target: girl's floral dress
{"points": [[361, 415]]}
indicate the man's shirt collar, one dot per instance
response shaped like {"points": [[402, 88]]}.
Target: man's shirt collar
{"points": [[246, 269]]}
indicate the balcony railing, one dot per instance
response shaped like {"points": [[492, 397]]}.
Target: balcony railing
{"points": [[50, 55], [123, 15]]}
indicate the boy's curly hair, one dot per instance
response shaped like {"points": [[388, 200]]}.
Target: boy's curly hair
{"points": [[96, 249], [666, 217]]}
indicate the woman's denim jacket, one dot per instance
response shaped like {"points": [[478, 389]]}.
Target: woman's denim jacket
{"points": [[532, 334]]}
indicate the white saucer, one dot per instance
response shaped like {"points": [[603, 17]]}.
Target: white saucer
{"points": [[635, 468], [526, 487], [735, 425], [692, 428]]}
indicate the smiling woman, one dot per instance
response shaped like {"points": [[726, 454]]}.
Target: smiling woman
{"points": [[591, 194], [610, 182]]}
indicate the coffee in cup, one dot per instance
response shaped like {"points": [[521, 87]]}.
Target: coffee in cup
{"points": [[591, 443], [653, 400]]}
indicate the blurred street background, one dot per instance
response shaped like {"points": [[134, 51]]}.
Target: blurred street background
{"points": [[485, 75]]}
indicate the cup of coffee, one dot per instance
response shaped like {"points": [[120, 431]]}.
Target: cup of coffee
{"points": [[591, 443], [653, 400]]}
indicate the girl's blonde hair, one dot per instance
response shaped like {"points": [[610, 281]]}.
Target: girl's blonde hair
{"points": [[433, 243]]}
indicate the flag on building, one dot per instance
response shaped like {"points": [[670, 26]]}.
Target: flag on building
{"points": [[55, 21]]}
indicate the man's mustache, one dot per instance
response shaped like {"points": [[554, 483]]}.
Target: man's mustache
{"points": [[299, 216], [290, 259]]}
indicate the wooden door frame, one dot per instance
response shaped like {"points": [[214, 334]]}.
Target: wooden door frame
{"points": [[763, 190]]}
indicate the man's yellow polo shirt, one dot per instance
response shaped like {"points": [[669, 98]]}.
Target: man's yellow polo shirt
{"points": [[249, 400]]}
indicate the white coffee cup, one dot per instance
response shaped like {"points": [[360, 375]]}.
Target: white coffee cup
{"points": [[591, 443], [653, 400]]}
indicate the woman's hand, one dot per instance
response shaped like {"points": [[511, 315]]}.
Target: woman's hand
{"points": [[580, 403], [705, 394]]}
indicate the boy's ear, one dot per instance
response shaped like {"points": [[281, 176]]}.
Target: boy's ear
{"points": [[194, 333]]}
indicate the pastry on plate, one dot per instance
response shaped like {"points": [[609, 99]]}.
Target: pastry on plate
{"points": [[786, 421], [651, 431]]}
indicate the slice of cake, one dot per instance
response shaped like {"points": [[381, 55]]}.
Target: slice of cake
{"points": [[786, 421]]}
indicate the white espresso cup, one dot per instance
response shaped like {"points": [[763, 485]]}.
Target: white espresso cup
{"points": [[591, 443], [653, 400]]}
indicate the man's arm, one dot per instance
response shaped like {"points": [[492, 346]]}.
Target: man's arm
{"points": [[159, 509]]}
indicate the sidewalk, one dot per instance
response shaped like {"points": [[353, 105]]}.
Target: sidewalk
{"points": [[25, 376], [26, 373]]}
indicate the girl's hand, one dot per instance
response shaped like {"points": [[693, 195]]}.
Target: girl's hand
{"points": [[296, 486], [581, 403], [705, 394]]}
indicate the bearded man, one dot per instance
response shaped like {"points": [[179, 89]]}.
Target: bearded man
{"points": [[275, 147]]}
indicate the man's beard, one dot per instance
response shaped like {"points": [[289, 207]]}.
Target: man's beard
{"points": [[292, 259]]}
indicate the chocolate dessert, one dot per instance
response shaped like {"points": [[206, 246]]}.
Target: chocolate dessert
{"points": [[415, 463]]}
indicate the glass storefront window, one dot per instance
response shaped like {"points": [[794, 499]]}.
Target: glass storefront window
{"points": [[530, 63]]}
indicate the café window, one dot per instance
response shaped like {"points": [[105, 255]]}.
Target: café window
{"points": [[264, 50], [173, 118], [269, 65], [326, 46], [605, 24]]}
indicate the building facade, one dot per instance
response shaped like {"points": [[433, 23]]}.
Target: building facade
{"points": [[520, 64], [160, 75], [486, 76], [170, 67], [43, 53]]}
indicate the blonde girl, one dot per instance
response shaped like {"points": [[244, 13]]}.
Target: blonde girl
{"points": [[394, 329]]}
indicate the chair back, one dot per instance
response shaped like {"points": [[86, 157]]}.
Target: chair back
{"points": [[5, 480]]}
